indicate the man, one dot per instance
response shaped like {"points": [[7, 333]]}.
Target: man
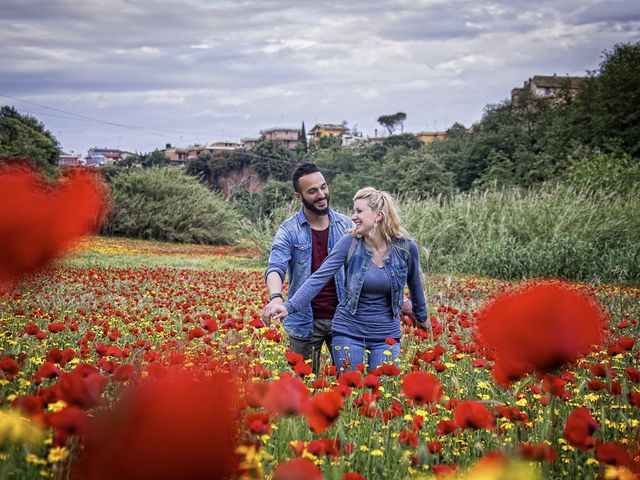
{"points": [[299, 247]]}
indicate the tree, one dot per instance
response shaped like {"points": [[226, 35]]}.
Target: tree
{"points": [[24, 135], [271, 160], [302, 146], [391, 122], [609, 103]]}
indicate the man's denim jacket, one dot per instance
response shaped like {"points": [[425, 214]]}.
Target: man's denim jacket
{"points": [[291, 253], [403, 265]]}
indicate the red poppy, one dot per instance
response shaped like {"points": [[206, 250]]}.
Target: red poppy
{"points": [[371, 381], [351, 379], [286, 396], [324, 446], [445, 427], [408, 438], [421, 387], [538, 452], [324, 409], [38, 221], [297, 469], [303, 369], [47, 370], [9, 366], [434, 447], [633, 374], [82, 387], [612, 453], [293, 358], [66, 422], [176, 427], [387, 369], [472, 414], [634, 399], [539, 327], [352, 476], [579, 428], [320, 383], [555, 386], [258, 422], [123, 373]]}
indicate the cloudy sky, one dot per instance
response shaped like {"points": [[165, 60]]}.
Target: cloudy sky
{"points": [[137, 74]]}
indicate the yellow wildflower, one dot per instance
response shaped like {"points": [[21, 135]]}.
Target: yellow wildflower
{"points": [[58, 454], [16, 428]]}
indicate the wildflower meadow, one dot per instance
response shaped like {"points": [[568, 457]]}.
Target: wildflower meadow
{"points": [[134, 359], [100, 352]]}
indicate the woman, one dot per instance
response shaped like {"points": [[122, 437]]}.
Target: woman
{"points": [[379, 258]]}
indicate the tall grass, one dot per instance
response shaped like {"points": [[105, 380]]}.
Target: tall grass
{"points": [[259, 231], [560, 231]]}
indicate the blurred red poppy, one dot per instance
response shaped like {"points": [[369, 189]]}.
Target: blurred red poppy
{"points": [[539, 327], [82, 387], [538, 452], [297, 469], [351, 379], [258, 422], [612, 453], [324, 409], [176, 427], [286, 396], [324, 446], [421, 387], [579, 428], [38, 221], [472, 414]]}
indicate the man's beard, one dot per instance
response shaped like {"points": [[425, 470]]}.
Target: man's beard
{"points": [[312, 208]]}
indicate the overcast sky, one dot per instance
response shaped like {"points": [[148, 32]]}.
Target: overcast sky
{"points": [[137, 74]]}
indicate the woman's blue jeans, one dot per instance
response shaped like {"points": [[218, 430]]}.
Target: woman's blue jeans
{"points": [[349, 352]]}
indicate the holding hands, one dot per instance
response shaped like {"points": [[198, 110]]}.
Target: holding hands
{"points": [[274, 309]]}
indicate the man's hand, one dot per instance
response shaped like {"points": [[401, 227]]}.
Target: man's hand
{"points": [[267, 311]]}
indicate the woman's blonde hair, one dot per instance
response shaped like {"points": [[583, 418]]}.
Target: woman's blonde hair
{"points": [[390, 227]]}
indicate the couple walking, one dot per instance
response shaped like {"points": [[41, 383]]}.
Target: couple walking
{"points": [[346, 276]]}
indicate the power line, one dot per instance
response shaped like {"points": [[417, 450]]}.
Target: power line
{"points": [[86, 118]]}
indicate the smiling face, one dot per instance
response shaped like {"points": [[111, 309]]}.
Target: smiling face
{"points": [[364, 217], [314, 193]]}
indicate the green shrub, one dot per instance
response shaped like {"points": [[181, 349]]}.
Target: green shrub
{"points": [[165, 204]]}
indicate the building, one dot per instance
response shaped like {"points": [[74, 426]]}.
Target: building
{"points": [[548, 86], [180, 156], [285, 137], [350, 139], [249, 142], [225, 145], [70, 159], [428, 137], [321, 130], [176, 156], [104, 156]]}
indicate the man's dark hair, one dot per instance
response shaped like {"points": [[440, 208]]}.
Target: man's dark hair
{"points": [[301, 171]]}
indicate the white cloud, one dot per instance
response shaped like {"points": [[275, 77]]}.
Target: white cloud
{"points": [[241, 66]]}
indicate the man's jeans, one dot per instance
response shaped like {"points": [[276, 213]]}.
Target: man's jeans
{"points": [[349, 352], [311, 349]]}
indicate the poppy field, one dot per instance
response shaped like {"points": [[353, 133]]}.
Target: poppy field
{"points": [[136, 359]]}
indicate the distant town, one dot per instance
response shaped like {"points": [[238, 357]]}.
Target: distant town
{"points": [[538, 85]]}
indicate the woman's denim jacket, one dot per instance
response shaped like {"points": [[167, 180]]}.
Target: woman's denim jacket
{"points": [[291, 252], [402, 262]]}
